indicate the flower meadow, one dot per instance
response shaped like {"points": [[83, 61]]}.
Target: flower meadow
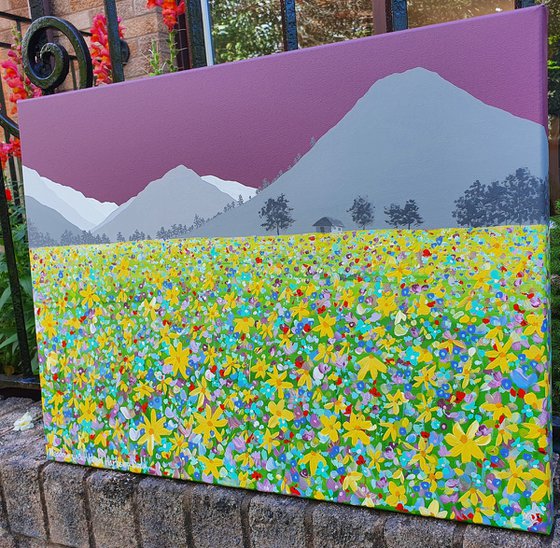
{"points": [[398, 369]]}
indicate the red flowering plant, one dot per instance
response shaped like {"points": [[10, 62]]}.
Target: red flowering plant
{"points": [[18, 87], [170, 10], [100, 55]]}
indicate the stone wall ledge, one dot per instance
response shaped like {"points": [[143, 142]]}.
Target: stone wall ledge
{"points": [[48, 504]]}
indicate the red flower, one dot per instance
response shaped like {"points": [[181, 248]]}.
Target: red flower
{"points": [[170, 11], [8, 195], [14, 76], [100, 54]]}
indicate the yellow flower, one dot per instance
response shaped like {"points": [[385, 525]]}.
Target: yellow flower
{"points": [[426, 376], [394, 402], [386, 304], [331, 427], [313, 458], [371, 365], [212, 466], [209, 424], [467, 445], [300, 311], [231, 300], [277, 381], [269, 440], [325, 326], [487, 507], [89, 296], [150, 308], [154, 430], [351, 480], [544, 488], [397, 494], [497, 409], [433, 510], [260, 369], [515, 475], [179, 359], [536, 432], [534, 324], [278, 413], [49, 325], [243, 325], [122, 270], [356, 427], [425, 460], [87, 410], [501, 358]]}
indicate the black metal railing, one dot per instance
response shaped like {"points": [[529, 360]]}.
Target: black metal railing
{"points": [[47, 64]]}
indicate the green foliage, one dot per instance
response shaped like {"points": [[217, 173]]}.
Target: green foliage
{"points": [[245, 28], [10, 358]]}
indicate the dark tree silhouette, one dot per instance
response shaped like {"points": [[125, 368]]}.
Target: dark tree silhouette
{"points": [[120, 237], [136, 236], [406, 216], [69, 238], [519, 199], [276, 214], [38, 239], [362, 212], [198, 221]]}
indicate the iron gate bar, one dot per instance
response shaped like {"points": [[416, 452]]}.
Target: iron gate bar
{"points": [[13, 277], [35, 47], [115, 46], [399, 15], [524, 4], [289, 24], [195, 34]]}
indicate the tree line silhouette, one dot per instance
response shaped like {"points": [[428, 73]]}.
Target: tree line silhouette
{"points": [[520, 198]]}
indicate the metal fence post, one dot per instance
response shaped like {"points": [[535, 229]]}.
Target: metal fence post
{"points": [[11, 263], [115, 46], [289, 24], [195, 34]]}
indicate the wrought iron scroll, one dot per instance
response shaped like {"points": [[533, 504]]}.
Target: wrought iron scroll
{"points": [[47, 65]]}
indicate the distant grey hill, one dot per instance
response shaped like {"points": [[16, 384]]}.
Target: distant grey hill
{"points": [[412, 136], [175, 198], [47, 220]]}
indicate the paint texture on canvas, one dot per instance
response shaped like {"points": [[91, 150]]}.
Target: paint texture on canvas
{"points": [[349, 304], [402, 370]]}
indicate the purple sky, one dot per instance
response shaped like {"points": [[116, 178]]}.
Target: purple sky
{"points": [[247, 120]]}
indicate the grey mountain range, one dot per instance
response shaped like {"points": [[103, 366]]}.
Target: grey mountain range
{"points": [[412, 136]]}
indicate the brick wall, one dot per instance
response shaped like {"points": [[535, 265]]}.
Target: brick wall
{"points": [[142, 26], [51, 505]]}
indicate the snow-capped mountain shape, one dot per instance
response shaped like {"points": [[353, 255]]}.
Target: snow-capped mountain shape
{"points": [[46, 220], [174, 199], [233, 188], [413, 135], [81, 211]]}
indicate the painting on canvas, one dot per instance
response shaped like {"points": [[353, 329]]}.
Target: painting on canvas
{"points": [[321, 273]]}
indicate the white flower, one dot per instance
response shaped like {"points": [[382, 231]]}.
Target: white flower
{"points": [[25, 422]]}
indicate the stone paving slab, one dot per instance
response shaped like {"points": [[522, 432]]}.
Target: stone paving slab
{"points": [[52, 505]]}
